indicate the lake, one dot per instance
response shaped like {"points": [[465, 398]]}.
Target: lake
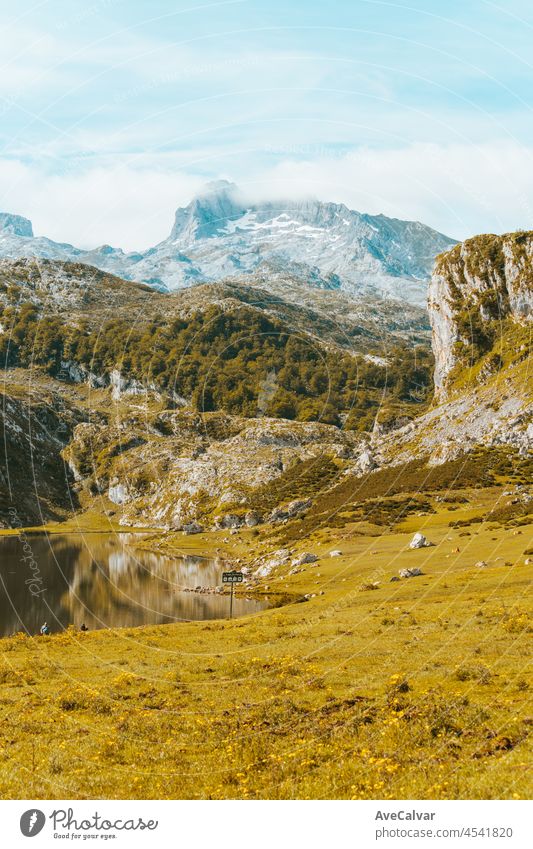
{"points": [[102, 580]]}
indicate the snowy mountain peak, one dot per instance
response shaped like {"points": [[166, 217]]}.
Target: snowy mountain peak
{"points": [[207, 213], [15, 225], [222, 234]]}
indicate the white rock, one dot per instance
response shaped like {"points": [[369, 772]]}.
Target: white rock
{"points": [[192, 528], [279, 558], [419, 541], [413, 572], [118, 494], [306, 557], [366, 462]]}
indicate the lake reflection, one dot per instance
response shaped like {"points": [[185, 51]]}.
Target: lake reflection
{"points": [[103, 581]]}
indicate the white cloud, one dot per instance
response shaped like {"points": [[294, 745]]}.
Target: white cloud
{"points": [[126, 206], [458, 189]]}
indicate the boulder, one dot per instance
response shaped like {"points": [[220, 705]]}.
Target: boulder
{"points": [[365, 462], [289, 511], [413, 572], [279, 558], [253, 518], [192, 528], [306, 557], [419, 541], [118, 494], [230, 520], [481, 564]]}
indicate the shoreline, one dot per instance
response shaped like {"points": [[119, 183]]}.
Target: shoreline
{"points": [[150, 540]]}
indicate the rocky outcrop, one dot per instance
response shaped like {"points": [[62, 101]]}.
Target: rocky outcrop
{"points": [[35, 425], [177, 467], [477, 283], [289, 511]]}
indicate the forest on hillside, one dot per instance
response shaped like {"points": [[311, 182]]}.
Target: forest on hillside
{"points": [[241, 361]]}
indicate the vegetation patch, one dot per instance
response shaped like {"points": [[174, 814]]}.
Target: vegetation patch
{"points": [[371, 497], [242, 361]]}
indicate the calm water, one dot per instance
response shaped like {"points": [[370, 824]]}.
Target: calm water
{"points": [[103, 581]]}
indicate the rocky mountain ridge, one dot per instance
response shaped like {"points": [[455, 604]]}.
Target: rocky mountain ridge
{"points": [[82, 292], [220, 233]]}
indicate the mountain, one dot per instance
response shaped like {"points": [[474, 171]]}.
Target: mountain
{"points": [[225, 399], [481, 312], [220, 233], [221, 370]]}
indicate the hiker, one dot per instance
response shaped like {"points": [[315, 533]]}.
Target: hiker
{"points": [[83, 627], [45, 629]]}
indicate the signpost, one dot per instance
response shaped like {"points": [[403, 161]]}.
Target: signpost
{"points": [[232, 578]]}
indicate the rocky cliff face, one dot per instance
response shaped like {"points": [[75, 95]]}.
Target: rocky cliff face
{"points": [[35, 425], [474, 287]]}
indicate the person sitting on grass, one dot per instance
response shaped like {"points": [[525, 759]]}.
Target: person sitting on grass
{"points": [[45, 629]]}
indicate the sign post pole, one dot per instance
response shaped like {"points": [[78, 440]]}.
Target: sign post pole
{"points": [[232, 578]]}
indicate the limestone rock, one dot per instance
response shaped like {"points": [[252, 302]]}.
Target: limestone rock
{"points": [[192, 528], [306, 557], [289, 511], [366, 462], [118, 494], [278, 558], [253, 518], [413, 572], [419, 541], [230, 520], [488, 274]]}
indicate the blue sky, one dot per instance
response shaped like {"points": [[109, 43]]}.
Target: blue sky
{"points": [[113, 112]]}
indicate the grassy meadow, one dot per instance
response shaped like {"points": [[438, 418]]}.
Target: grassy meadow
{"points": [[417, 688]]}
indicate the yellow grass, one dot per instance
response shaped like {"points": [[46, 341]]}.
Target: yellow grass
{"points": [[418, 689]]}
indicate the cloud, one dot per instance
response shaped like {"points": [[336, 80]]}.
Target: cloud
{"points": [[458, 189], [127, 206]]}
